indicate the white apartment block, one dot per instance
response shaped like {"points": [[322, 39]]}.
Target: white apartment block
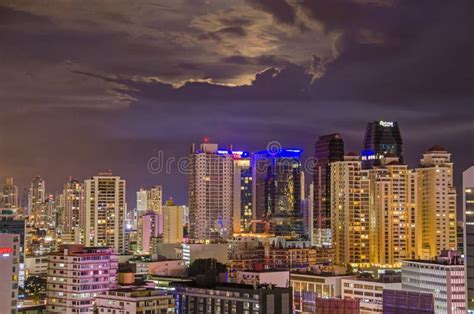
{"points": [[105, 212], [369, 292], [76, 275], [444, 278], [210, 194], [135, 301]]}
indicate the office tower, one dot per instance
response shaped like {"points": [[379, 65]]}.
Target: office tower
{"points": [[444, 277], [398, 301], [329, 148], [36, 198], [242, 194], [382, 138], [436, 204], [468, 210], [277, 188], [350, 208], [390, 215], [150, 225], [76, 275], [73, 207], [105, 212], [172, 222], [9, 194], [210, 194], [307, 205], [9, 264], [49, 208]]}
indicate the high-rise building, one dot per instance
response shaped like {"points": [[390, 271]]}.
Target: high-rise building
{"points": [[278, 190], [12, 223], [73, 208], [243, 188], [436, 204], [155, 199], [329, 148], [382, 138], [468, 210], [350, 208], [9, 195], [141, 202], [105, 212], [36, 198], [76, 275], [9, 264], [173, 218], [444, 277], [150, 225], [210, 193], [390, 214]]}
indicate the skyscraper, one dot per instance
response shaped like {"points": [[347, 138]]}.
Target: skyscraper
{"points": [[155, 199], [350, 208], [73, 209], [36, 198], [329, 148], [436, 204], [278, 190], [468, 210], [243, 188], [141, 202], [210, 193], [390, 214], [9, 264], [105, 212], [9, 194], [382, 138]]}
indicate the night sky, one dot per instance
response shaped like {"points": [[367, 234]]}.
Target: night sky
{"points": [[92, 85]]}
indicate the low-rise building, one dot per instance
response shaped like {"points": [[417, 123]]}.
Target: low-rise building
{"points": [[279, 278], [36, 265], [444, 277], [135, 301], [407, 302], [370, 291], [232, 298], [308, 287]]}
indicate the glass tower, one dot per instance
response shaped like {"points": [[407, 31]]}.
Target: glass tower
{"points": [[382, 139]]}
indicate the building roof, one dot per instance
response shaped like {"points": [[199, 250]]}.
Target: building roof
{"points": [[436, 148]]}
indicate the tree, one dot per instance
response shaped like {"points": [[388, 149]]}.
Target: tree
{"points": [[206, 266], [35, 286]]}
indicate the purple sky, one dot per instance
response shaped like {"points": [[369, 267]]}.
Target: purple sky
{"points": [[109, 84]]}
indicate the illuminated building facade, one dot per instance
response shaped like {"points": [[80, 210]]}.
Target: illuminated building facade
{"points": [[36, 199], [73, 208], [173, 220], [9, 263], [329, 148], [278, 190], [76, 275], [390, 215], [211, 191], [105, 212], [436, 204], [243, 192], [468, 210], [382, 138], [9, 194], [350, 207]]}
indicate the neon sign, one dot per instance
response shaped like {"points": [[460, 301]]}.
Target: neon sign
{"points": [[6, 250], [386, 124]]}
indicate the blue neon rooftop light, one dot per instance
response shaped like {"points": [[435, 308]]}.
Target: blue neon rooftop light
{"points": [[284, 152]]}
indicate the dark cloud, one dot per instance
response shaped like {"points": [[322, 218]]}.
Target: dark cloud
{"points": [[87, 88]]}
